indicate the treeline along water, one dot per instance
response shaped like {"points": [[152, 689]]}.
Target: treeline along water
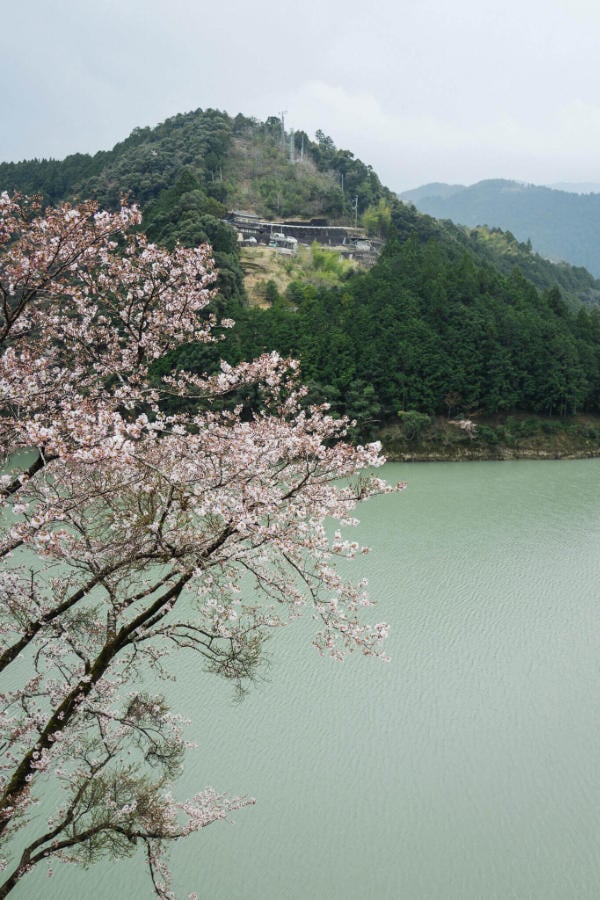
{"points": [[430, 328], [467, 766]]}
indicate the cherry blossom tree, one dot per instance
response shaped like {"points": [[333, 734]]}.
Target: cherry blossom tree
{"points": [[128, 532]]}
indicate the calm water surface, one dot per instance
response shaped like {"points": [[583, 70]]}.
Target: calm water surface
{"points": [[467, 768]]}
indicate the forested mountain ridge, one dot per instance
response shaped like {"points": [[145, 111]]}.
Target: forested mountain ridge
{"points": [[451, 321], [502, 250], [560, 225], [188, 171], [234, 162], [432, 189]]}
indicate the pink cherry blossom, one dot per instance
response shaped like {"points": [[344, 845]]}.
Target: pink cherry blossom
{"points": [[152, 532]]}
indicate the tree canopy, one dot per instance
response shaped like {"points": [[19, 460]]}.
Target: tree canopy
{"points": [[431, 320], [129, 532]]}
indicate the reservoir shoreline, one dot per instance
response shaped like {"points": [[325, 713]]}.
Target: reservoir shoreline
{"points": [[504, 454], [415, 437]]}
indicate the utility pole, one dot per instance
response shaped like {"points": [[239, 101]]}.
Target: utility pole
{"points": [[292, 147], [355, 208], [281, 116]]}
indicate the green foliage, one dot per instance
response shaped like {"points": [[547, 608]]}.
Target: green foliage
{"points": [[413, 423], [433, 330], [558, 224], [574, 284], [185, 214], [231, 162], [328, 262], [378, 219], [271, 292], [487, 435], [450, 321]]}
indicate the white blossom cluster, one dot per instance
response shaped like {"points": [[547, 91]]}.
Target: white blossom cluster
{"points": [[151, 532]]}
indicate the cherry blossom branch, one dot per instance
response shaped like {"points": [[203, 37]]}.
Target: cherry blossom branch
{"points": [[145, 527]]}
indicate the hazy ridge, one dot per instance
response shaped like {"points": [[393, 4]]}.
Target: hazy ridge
{"points": [[561, 225]]}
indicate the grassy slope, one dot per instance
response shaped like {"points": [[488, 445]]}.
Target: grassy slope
{"points": [[316, 266]]}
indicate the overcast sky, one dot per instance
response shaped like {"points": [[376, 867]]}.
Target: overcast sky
{"points": [[423, 90]]}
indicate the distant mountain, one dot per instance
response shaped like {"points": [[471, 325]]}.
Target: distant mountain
{"points": [[559, 224], [576, 187], [434, 189]]}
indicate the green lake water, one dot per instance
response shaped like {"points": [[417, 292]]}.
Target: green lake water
{"points": [[466, 768]]}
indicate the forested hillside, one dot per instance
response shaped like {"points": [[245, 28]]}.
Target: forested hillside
{"points": [[188, 171], [234, 162], [432, 329], [451, 321], [560, 225]]}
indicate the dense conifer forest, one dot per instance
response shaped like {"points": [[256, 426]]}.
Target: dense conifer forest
{"points": [[434, 329]]}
